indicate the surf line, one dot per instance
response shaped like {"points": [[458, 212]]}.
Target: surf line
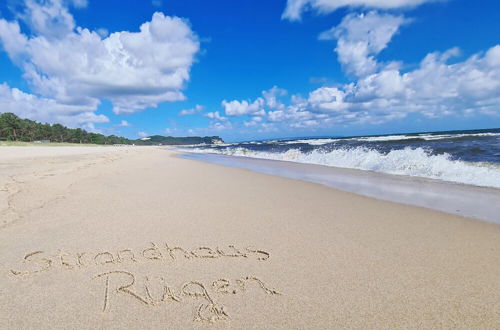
{"points": [[39, 261], [156, 292]]}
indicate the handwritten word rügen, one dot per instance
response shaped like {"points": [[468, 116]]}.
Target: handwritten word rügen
{"points": [[155, 292]]}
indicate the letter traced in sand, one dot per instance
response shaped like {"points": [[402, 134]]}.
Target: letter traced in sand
{"points": [[129, 280], [122, 282], [152, 253], [44, 264], [221, 286], [126, 254], [237, 253], [171, 251], [263, 255], [79, 258], [243, 282], [103, 258], [168, 293], [204, 252], [63, 257]]}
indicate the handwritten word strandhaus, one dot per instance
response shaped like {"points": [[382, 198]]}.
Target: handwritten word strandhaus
{"points": [[40, 261]]}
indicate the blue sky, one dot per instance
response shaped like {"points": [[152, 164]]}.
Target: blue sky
{"points": [[252, 69]]}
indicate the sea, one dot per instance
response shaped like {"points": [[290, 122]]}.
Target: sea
{"points": [[470, 157]]}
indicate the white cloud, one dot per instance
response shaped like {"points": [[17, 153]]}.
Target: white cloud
{"points": [[218, 122], [253, 122], [79, 3], [435, 89], [27, 105], [51, 18], [215, 115], [76, 67], [171, 131], [270, 99], [360, 38], [187, 112], [295, 8], [220, 126], [380, 92], [124, 123], [329, 99], [267, 127], [142, 134], [240, 108], [383, 92]]}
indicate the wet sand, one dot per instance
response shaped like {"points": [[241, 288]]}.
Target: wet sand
{"points": [[469, 201], [139, 238]]}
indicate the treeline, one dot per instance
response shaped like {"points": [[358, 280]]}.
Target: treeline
{"points": [[13, 128]]}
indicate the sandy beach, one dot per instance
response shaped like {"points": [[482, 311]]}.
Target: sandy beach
{"points": [[138, 238]]}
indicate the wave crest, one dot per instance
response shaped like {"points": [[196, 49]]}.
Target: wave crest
{"points": [[408, 161]]}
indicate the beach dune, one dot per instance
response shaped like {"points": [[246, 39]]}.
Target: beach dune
{"points": [[136, 237]]}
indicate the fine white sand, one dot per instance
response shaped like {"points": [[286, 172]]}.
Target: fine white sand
{"points": [[128, 237]]}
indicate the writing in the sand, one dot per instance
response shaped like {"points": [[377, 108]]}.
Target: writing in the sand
{"points": [[40, 261], [148, 290], [156, 291]]}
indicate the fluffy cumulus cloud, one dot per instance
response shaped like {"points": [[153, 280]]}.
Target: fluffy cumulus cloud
{"points": [[240, 108], [269, 99], [264, 112], [218, 122], [440, 86], [253, 122], [295, 8], [215, 115], [75, 67], [360, 38], [383, 92], [188, 112], [44, 109], [272, 97]]}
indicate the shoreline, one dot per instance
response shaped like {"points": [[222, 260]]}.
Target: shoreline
{"points": [[478, 203], [140, 238]]}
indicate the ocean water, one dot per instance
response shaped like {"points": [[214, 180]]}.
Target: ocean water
{"points": [[469, 157]]}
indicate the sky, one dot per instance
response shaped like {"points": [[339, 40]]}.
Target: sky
{"points": [[252, 69]]}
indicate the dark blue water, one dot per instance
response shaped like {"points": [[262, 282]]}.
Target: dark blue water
{"points": [[470, 157], [470, 145]]}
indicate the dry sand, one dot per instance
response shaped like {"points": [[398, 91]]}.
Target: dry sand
{"points": [[88, 238]]}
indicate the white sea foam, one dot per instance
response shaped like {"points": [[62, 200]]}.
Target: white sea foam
{"points": [[313, 142], [430, 137], [413, 162], [423, 136], [385, 138], [427, 137]]}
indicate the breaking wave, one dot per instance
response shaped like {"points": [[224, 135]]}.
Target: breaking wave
{"points": [[416, 162]]}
